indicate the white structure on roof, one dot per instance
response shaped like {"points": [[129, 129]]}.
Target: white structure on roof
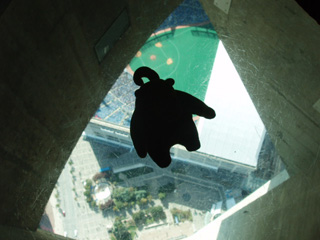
{"points": [[237, 132], [102, 192]]}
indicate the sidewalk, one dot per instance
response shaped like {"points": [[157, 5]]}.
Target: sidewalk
{"points": [[167, 232], [54, 214]]}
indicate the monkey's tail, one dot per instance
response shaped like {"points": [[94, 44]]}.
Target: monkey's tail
{"points": [[144, 72]]}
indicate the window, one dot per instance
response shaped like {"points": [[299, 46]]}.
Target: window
{"points": [[236, 157]]}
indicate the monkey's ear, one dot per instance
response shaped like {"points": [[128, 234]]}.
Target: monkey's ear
{"points": [[169, 81]]}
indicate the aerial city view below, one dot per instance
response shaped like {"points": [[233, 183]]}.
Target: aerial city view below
{"points": [[106, 191]]}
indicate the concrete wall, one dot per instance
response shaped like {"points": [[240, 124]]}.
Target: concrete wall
{"points": [[51, 85]]}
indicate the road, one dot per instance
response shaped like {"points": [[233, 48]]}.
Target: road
{"points": [[70, 222]]}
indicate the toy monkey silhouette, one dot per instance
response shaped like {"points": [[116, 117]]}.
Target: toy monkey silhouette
{"points": [[163, 117]]}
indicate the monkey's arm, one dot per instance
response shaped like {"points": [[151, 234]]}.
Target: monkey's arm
{"points": [[194, 105]]}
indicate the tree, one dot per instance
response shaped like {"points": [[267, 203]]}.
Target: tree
{"points": [[87, 193], [125, 204], [98, 176], [143, 201], [106, 205], [149, 197], [123, 194], [162, 195], [119, 204], [127, 197], [182, 215], [93, 203], [120, 231], [139, 217], [157, 213], [140, 194], [72, 170], [88, 184]]}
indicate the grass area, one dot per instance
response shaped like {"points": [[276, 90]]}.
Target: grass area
{"points": [[149, 216], [186, 55], [182, 215]]}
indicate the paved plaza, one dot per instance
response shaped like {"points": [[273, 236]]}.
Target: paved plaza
{"points": [[88, 223], [168, 232]]}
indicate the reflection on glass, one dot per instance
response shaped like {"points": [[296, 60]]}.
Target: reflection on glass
{"points": [[107, 192]]}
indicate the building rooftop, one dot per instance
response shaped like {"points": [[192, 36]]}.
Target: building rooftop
{"points": [[237, 132]]}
